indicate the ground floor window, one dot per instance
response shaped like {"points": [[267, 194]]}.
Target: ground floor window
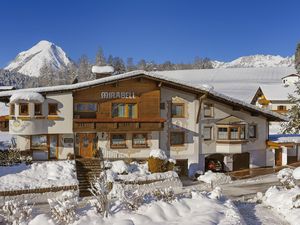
{"points": [[45, 143], [177, 138], [139, 140], [118, 140]]}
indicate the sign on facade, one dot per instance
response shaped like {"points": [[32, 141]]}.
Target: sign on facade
{"points": [[116, 94]]}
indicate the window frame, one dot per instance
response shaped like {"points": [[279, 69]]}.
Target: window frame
{"points": [[211, 133], [255, 131], [85, 111], [240, 128], [56, 111], [281, 108], [126, 110], [183, 138], [211, 107], [118, 146], [41, 109], [20, 107], [182, 115], [140, 145], [12, 109]]}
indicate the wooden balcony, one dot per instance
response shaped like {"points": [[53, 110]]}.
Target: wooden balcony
{"points": [[118, 124]]}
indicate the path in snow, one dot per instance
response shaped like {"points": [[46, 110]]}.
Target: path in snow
{"points": [[257, 214]]}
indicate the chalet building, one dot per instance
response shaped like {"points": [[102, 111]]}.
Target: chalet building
{"points": [[125, 116]]}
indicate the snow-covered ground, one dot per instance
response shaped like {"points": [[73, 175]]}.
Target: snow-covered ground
{"points": [[37, 175], [201, 208]]}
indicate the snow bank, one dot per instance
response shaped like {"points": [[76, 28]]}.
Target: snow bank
{"points": [[26, 96], [199, 209], [38, 175], [214, 178], [158, 153], [119, 167], [284, 201], [296, 173]]}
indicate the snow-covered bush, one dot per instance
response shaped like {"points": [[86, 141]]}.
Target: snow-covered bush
{"points": [[63, 208], [216, 193], [119, 167], [166, 195], [16, 212], [12, 157], [214, 178], [158, 162], [286, 178], [296, 173], [100, 188]]}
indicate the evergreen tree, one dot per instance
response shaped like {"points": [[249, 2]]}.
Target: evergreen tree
{"points": [[130, 65], [100, 58], [297, 58], [293, 125]]}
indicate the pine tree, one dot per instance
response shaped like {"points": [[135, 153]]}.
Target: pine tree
{"points": [[130, 65], [100, 58], [293, 125], [297, 58]]}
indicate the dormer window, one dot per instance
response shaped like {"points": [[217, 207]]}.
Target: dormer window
{"points": [[52, 109], [23, 109], [38, 109]]}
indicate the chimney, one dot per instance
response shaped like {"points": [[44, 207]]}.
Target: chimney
{"points": [[102, 71]]}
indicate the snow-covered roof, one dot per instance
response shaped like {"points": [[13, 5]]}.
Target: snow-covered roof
{"points": [[28, 96], [291, 75], [5, 88], [285, 138], [240, 83], [190, 86], [277, 91], [102, 69]]}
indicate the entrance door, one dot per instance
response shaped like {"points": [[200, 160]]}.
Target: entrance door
{"points": [[278, 157], [86, 144]]}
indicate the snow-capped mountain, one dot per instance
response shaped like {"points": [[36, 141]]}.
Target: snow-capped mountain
{"points": [[31, 61], [257, 61]]}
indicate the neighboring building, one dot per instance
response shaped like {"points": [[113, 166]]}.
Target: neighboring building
{"points": [[127, 115], [290, 79]]}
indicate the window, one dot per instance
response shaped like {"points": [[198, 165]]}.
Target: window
{"points": [[124, 110], [234, 133], [38, 109], [281, 108], [252, 131], [12, 109], [176, 138], [231, 132], [208, 110], [23, 109], [139, 140], [207, 133], [39, 142], [177, 110], [85, 107], [118, 141], [222, 133], [52, 109]]}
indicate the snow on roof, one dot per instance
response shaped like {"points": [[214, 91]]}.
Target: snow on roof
{"points": [[188, 85], [240, 83], [4, 88], [103, 69], [277, 91], [285, 138], [291, 75], [26, 96]]}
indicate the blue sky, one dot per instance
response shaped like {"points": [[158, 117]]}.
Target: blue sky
{"points": [[158, 29]]}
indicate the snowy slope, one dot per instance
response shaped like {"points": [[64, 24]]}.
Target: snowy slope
{"points": [[257, 61], [31, 61]]}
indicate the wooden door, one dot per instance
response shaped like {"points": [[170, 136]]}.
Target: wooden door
{"points": [[86, 144], [278, 157]]}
